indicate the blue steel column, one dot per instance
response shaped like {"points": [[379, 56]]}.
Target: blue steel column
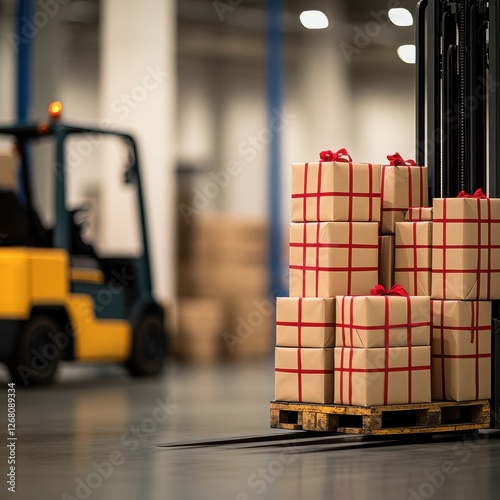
{"points": [[274, 104], [24, 12]]}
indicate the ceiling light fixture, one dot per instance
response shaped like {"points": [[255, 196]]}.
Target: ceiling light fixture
{"points": [[314, 20], [401, 17], [407, 53]]}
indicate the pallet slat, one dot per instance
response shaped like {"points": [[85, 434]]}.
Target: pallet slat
{"points": [[438, 416]]}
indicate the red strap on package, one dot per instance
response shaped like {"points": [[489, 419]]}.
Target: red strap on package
{"points": [[341, 155], [478, 193], [311, 259], [300, 323], [386, 369], [474, 328], [300, 371], [397, 160], [483, 219], [396, 290]]}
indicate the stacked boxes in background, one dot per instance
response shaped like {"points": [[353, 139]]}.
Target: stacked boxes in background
{"points": [[8, 171], [333, 251], [224, 311]]}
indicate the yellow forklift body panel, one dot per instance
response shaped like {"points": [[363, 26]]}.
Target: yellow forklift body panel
{"points": [[97, 339], [40, 277], [15, 276], [49, 276]]}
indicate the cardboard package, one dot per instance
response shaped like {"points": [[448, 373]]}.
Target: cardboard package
{"points": [[382, 321], [335, 191], [461, 350], [217, 238], [413, 259], [223, 257], [200, 325], [333, 258], [8, 171], [395, 375], [304, 375], [305, 322], [249, 330], [228, 280], [386, 261], [466, 249], [402, 187], [416, 214]]}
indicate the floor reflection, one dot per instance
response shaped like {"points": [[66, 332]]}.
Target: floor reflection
{"points": [[96, 434]]}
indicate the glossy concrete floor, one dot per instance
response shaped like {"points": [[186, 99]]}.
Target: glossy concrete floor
{"points": [[96, 435]]}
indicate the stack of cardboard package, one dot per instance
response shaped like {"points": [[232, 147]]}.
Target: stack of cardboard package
{"points": [[452, 253], [224, 311], [347, 334]]}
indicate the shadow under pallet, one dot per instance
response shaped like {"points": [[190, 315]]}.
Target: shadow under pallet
{"points": [[438, 416]]}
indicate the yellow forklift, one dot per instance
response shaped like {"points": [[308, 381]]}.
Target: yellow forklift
{"points": [[60, 298]]}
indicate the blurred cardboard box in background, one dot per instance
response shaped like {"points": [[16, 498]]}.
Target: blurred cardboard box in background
{"points": [[223, 311], [8, 171]]}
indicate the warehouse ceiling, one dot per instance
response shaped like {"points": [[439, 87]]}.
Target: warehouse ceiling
{"points": [[227, 32], [228, 29]]}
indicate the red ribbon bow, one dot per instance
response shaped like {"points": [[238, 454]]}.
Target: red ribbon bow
{"points": [[478, 193], [397, 160], [340, 155], [396, 290]]}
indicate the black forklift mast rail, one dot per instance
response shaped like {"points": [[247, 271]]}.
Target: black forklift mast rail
{"points": [[458, 110]]}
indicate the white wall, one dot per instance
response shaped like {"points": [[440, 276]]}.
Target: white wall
{"points": [[197, 109], [222, 110], [138, 61], [383, 115], [7, 64], [318, 92]]}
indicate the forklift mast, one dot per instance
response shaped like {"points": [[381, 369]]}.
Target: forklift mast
{"points": [[458, 111]]}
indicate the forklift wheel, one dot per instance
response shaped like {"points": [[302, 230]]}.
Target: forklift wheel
{"points": [[37, 354], [149, 347]]}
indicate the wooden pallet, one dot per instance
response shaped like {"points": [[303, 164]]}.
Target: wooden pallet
{"points": [[438, 416]]}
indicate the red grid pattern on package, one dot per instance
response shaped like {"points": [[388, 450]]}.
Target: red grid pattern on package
{"points": [[466, 249], [336, 191], [333, 258]]}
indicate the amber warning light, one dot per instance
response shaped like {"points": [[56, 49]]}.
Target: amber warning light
{"points": [[55, 110]]}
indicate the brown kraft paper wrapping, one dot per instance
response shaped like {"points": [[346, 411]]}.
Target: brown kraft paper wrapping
{"points": [[402, 187], [336, 191], [333, 258], [382, 321], [461, 350], [304, 375], [414, 257], [466, 249], [386, 261], [305, 322], [394, 375], [418, 214]]}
